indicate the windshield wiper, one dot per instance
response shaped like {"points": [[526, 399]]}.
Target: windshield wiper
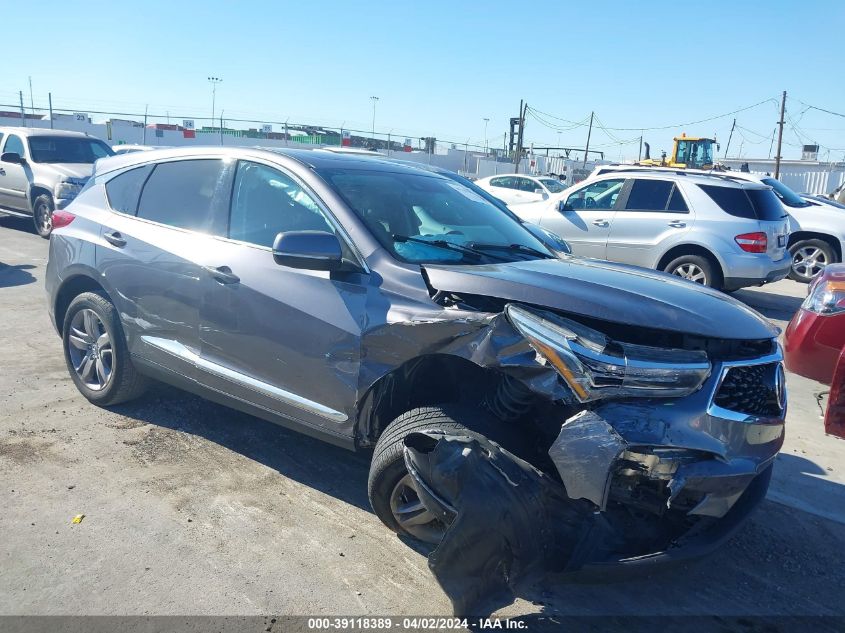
{"points": [[521, 248], [448, 246]]}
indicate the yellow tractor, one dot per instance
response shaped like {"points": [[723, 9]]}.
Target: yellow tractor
{"points": [[688, 152]]}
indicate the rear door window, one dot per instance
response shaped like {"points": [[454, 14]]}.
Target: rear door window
{"points": [[649, 195], [188, 194], [123, 190]]}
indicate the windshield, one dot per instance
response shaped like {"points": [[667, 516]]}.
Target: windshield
{"points": [[404, 211], [67, 149], [786, 195], [555, 186]]}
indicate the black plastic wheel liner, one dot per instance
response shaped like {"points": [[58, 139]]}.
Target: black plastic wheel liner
{"points": [[512, 524]]}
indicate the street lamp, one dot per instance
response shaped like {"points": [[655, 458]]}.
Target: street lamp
{"points": [[374, 99], [486, 121], [213, 81]]}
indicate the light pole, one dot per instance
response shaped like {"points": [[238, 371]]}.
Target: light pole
{"points": [[374, 99], [486, 121], [213, 81]]}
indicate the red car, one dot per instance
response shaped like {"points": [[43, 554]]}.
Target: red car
{"points": [[814, 343]]}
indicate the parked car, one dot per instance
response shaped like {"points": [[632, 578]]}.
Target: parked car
{"points": [[814, 342], [42, 170], [362, 302], [817, 227], [811, 197], [717, 233], [128, 148], [816, 334], [521, 188]]}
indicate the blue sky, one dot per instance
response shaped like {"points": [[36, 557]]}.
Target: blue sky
{"points": [[440, 67]]}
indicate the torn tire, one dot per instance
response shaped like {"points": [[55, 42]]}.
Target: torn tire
{"points": [[391, 491]]}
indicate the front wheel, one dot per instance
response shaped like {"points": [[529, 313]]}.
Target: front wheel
{"points": [[809, 257], [42, 215], [96, 354], [392, 490], [696, 269]]}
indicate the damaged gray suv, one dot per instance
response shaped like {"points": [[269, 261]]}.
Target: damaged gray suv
{"points": [[380, 306]]}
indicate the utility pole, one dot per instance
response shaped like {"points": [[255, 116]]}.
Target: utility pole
{"points": [[144, 138], [730, 136], [50, 103], [374, 99], [23, 115], [213, 81], [519, 136], [221, 127], [780, 135], [640, 153], [589, 133], [31, 102], [486, 149]]}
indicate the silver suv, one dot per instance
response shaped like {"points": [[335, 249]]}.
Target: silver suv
{"points": [[43, 170], [719, 233]]}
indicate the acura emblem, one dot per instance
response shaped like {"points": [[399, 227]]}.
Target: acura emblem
{"points": [[780, 386]]}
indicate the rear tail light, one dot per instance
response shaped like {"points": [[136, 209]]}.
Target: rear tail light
{"points": [[62, 218], [825, 297], [753, 242]]}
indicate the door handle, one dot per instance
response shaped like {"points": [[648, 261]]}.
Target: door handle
{"points": [[677, 224], [2, 172], [223, 274], [601, 223], [115, 239]]}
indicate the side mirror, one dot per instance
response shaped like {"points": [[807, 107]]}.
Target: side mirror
{"points": [[310, 250], [563, 206], [11, 157]]}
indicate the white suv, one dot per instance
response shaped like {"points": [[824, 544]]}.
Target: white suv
{"points": [[42, 170], [717, 232], [817, 228]]}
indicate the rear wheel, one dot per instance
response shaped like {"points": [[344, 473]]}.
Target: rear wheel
{"points": [[809, 257], [392, 490], [96, 354], [696, 269], [42, 215]]}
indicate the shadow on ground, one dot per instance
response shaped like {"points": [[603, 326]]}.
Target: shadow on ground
{"points": [[11, 276], [23, 225], [772, 306]]}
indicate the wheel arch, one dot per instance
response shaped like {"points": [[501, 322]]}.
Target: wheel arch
{"points": [[800, 236], [424, 380], [72, 287], [36, 190], [691, 249]]}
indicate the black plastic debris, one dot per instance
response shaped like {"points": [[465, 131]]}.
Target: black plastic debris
{"points": [[510, 524]]}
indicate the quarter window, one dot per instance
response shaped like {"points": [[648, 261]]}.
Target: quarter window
{"points": [[14, 144], [123, 190], [186, 194], [266, 202]]}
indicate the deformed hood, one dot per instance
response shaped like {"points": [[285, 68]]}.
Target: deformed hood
{"points": [[612, 292]]}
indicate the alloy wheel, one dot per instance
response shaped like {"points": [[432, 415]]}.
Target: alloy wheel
{"points": [[412, 515], [90, 349], [44, 218], [809, 261], [691, 272]]}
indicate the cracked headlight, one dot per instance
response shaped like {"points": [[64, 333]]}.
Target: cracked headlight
{"points": [[595, 366]]}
